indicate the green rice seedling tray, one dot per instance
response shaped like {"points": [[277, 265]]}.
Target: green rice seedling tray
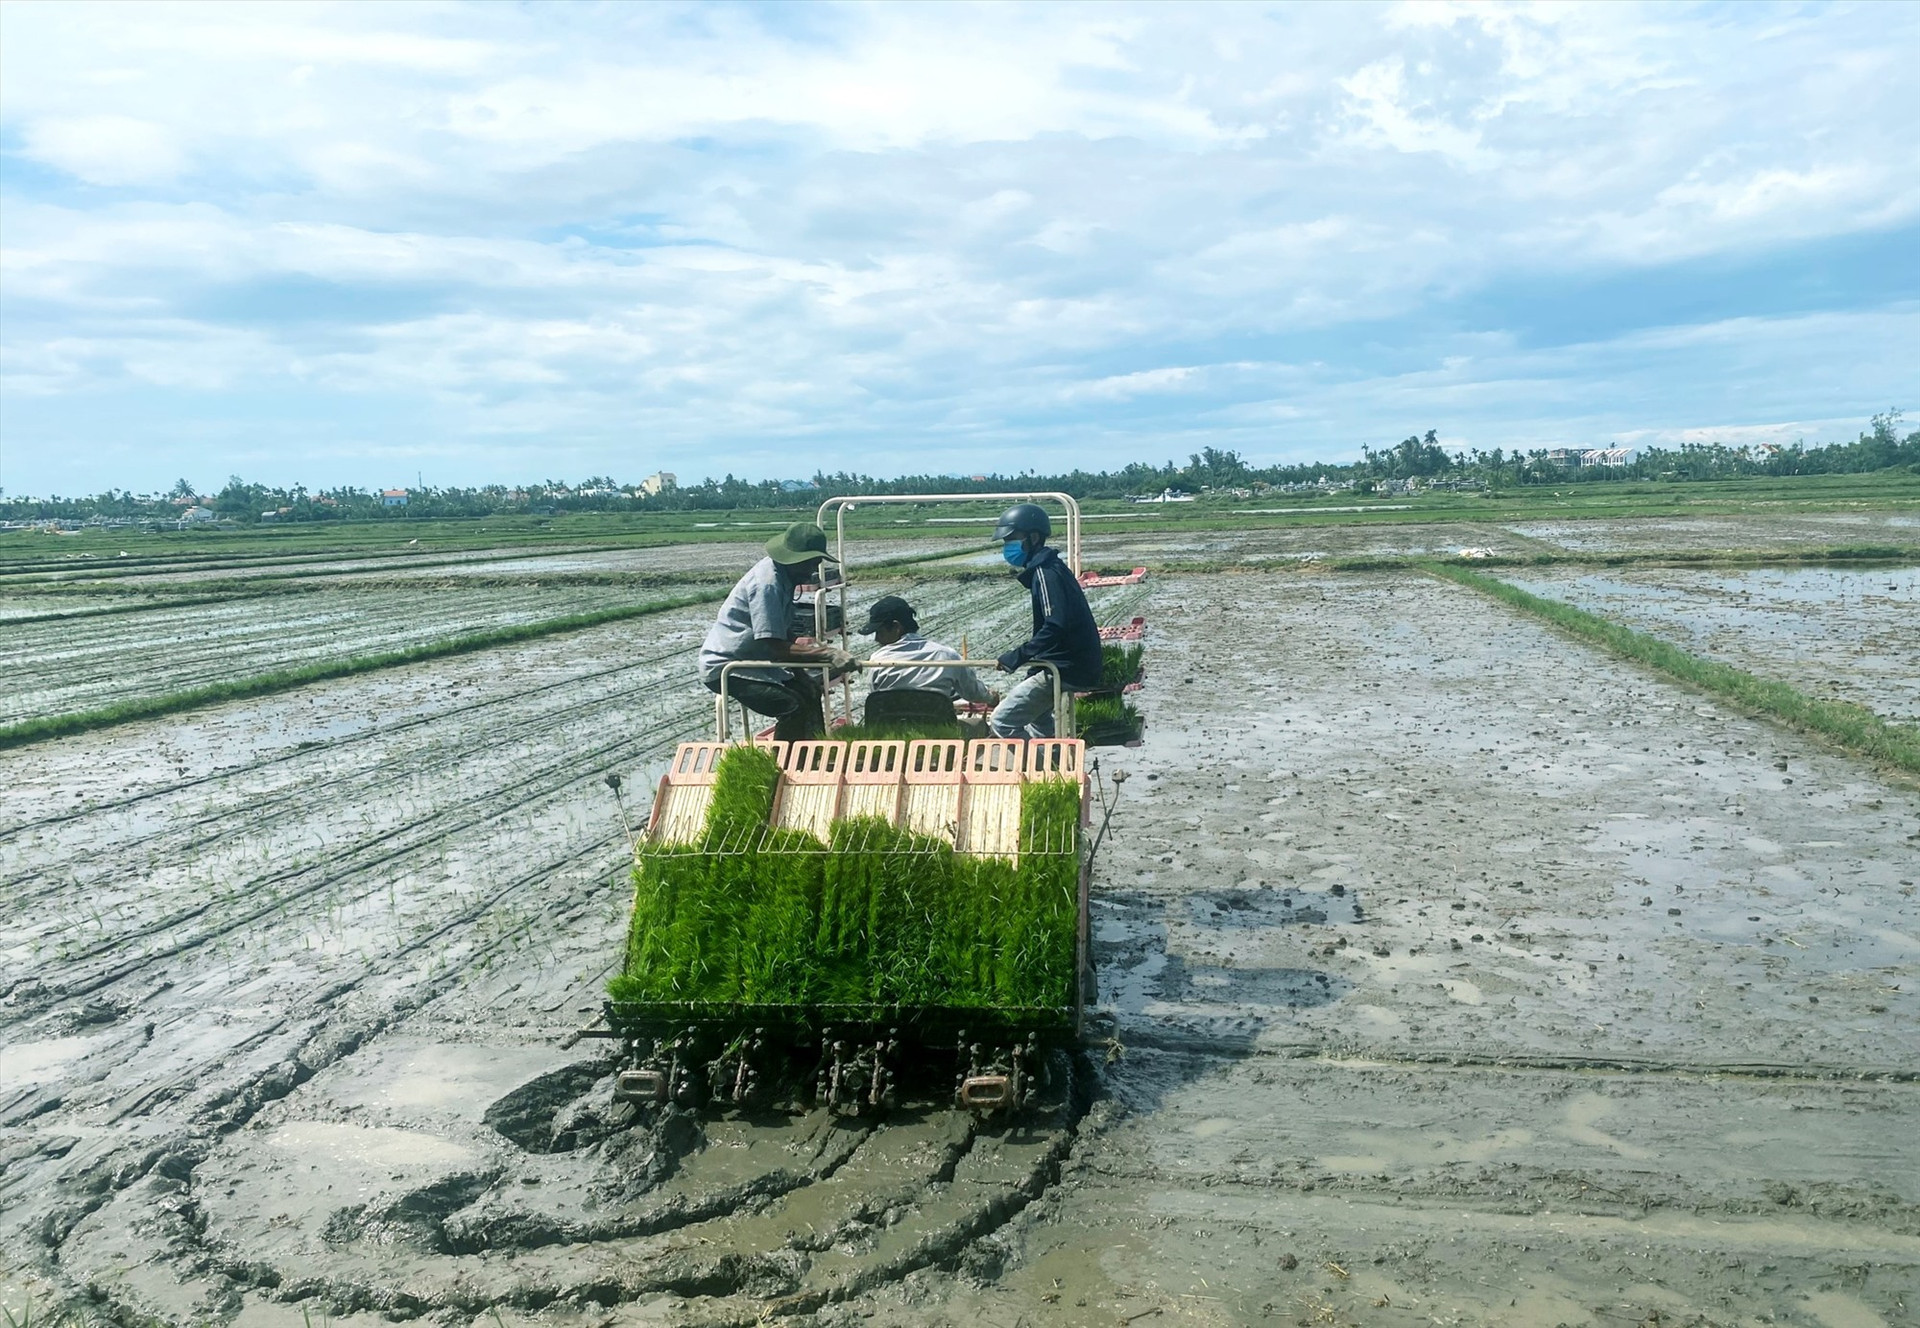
{"points": [[901, 901], [1108, 721]]}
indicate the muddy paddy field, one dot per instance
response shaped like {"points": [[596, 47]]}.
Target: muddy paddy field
{"points": [[1451, 971]]}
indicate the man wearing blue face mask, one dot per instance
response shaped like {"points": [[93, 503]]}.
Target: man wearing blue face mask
{"points": [[1064, 633]]}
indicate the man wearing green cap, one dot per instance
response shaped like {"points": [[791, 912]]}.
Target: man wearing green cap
{"points": [[756, 623]]}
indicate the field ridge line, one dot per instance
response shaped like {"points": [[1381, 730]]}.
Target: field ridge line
{"points": [[1852, 727], [281, 680], [24, 732]]}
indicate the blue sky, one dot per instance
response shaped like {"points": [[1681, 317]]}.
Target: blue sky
{"points": [[352, 243]]}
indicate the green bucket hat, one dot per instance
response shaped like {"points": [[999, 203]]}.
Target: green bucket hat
{"points": [[799, 543]]}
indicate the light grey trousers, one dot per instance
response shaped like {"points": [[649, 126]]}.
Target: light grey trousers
{"points": [[1027, 709]]}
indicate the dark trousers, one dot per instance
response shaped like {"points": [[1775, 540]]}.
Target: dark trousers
{"points": [[793, 705]]}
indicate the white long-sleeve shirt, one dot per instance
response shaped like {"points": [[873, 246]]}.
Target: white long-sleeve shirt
{"points": [[960, 684]]}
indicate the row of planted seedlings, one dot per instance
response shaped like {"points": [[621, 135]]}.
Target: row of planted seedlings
{"points": [[774, 937]]}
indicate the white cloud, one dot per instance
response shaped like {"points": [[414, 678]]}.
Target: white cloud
{"points": [[106, 149], [1121, 387], [897, 82], [1380, 101]]}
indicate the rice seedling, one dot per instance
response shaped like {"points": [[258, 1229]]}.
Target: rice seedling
{"points": [[897, 731], [1106, 719], [1119, 665], [742, 796], [878, 916]]}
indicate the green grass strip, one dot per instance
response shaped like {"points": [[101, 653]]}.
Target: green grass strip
{"points": [[283, 680], [1853, 727]]}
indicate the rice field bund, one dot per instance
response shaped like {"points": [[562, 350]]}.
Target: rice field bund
{"points": [[1529, 937]]}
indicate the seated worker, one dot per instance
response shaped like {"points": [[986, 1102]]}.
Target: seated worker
{"points": [[1064, 633], [755, 623], [896, 632]]}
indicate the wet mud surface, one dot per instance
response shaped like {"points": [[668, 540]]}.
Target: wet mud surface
{"points": [[1848, 634], [544, 562], [1394, 536], [241, 565], [1450, 972], [1709, 533], [1391, 537], [1453, 980], [863, 545]]}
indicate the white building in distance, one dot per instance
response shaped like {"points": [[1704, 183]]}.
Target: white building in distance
{"points": [[658, 483]]}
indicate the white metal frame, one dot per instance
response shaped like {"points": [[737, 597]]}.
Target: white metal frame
{"points": [[845, 503]]}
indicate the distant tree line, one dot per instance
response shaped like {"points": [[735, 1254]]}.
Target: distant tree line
{"points": [[1417, 460], [1878, 448]]}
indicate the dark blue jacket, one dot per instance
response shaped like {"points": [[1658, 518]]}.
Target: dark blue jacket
{"points": [[1064, 632]]}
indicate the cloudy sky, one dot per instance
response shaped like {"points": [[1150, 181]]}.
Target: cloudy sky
{"points": [[355, 243]]}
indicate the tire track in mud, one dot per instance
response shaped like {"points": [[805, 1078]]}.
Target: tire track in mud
{"points": [[47, 1214], [603, 852], [1459, 1056], [880, 1200], [163, 1190]]}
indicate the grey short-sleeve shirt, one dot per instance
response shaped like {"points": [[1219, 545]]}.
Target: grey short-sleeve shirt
{"points": [[759, 608], [960, 684]]}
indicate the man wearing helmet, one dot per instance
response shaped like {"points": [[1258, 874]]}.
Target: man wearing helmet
{"points": [[1064, 633]]}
